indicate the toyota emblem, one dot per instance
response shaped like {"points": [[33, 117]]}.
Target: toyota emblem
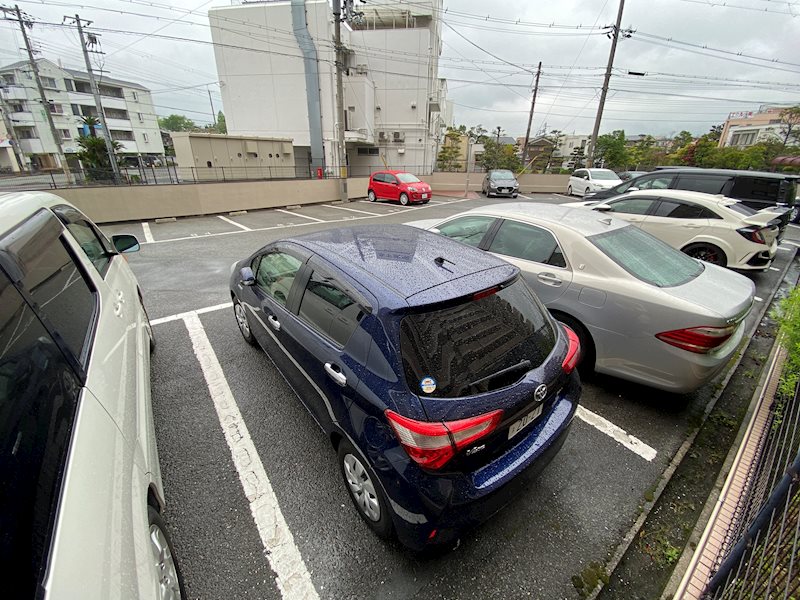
{"points": [[540, 393]]}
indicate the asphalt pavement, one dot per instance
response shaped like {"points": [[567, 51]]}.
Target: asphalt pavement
{"points": [[250, 479]]}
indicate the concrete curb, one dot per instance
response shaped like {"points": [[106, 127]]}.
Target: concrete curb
{"points": [[667, 474]]}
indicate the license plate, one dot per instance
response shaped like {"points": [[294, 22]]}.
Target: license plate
{"points": [[424, 196], [525, 421]]}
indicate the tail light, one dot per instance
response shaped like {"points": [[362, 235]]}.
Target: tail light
{"points": [[573, 352], [753, 233], [433, 444], [701, 340]]}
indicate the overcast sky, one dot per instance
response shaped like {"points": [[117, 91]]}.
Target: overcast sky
{"points": [[678, 91]]}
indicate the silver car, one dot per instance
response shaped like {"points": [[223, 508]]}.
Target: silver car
{"points": [[643, 311]]}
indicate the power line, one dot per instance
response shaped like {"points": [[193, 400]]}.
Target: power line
{"points": [[738, 6]]}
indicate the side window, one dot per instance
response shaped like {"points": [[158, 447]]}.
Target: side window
{"points": [[662, 182], [378, 177], [528, 243], [389, 178], [55, 282], [632, 206], [709, 184], [93, 243], [760, 188], [579, 173], [276, 273], [681, 210], [469, 230], [38, 398], [329, 309]]}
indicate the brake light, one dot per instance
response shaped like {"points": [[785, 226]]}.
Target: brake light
{"points": [[573, 352], [701, 340], [753, 233], [433, 444], [484, 293]]}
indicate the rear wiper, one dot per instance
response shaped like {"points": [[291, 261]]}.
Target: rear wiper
{"points": [[523, 364]]}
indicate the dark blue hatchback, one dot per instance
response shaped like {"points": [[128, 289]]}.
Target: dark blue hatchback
{"points": [[441, 380]]}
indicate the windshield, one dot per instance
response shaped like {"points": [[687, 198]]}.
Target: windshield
{"points": [[476, 346], [646, 258], [408, 178], [603, 174], [502, 175]]}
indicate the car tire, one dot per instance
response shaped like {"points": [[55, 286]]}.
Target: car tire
{"points": [[514, 195], [569, 191], [588, 353], [425, 201], [169, 572], [404, 199], [707, 252], [371, 195], [242, 321], [795, 215], [365, 490]]}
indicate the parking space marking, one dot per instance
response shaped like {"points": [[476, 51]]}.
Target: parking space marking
{"points": [[363, 212], [437, 202], [148, 235], [795, 244], [292, 576], [774, 269], [232, 222], [757, 299], [563, 196], [199, 311], [616, 433], [294, 214]]}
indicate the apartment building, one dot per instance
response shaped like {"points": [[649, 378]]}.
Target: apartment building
{"points": [[128, 110], [276, 64], [746, 128]]}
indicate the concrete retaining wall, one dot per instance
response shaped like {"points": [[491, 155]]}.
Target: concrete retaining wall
{"points": [[528, 183]]}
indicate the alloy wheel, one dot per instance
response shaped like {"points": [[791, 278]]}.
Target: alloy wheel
{"points": [[241, 319], [169, 585]]}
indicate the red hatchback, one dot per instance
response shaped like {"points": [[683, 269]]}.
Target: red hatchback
{"points": [[398, 185]]}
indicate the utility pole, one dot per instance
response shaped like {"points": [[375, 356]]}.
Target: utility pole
{"points": [[112, 157], [614, 38], [530, 116], [213, 112], [45, 104], [337, 32], [499, 129]]}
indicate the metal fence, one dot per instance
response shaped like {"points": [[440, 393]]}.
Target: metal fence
{"points": [[761, 556]]}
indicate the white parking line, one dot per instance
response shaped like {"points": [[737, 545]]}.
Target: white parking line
{"points": [[288, 212], [618, 434], [437, 202], [232, 222], [563, 196], [148, 235], [774, 269], [757, 299], [199, 311], [795, 244], [355, 210]]}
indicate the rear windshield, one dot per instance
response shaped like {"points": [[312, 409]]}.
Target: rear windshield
{"points": [[476, 346], [407, 178], [646, 258], [742, 209], [603, 174], [502, 175]]}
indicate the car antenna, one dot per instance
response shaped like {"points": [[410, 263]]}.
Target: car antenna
{"points": [[440, 260]]}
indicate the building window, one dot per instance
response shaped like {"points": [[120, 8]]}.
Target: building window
{"points": [[364, 151], [49, 82], [208, 164], [56, 109], [123, 136], [69, 85], [25, 133], [18, 107], [115, 113], [76, 110], [65, 134], [9, 79], [146, 138]]}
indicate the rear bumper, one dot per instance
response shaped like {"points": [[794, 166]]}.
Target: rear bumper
{"points": [[446, 504]]}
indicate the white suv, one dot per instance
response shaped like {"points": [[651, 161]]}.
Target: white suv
{"points": [[80, 484], [586, 181]]}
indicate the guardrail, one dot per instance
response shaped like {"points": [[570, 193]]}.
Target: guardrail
{"points": [[761, 552]]}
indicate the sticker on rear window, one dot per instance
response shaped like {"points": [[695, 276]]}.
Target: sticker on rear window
{"points": [[428, 385]]}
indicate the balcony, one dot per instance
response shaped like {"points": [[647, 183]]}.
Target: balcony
{"points": [[358, 136], [88, 99], [124, 124], [33, 146], [22, 119], [128, 147], [15, 92]]}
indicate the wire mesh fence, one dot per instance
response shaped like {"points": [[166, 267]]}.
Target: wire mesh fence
{"points": [[761, 556]]}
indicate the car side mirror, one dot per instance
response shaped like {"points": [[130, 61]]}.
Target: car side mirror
{"points": [[633, 189], [586, 177], [247, 277], [602, 208], [125, 243]]}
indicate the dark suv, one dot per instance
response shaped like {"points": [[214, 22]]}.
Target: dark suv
{"points": [[440, 379], [756, 189]]}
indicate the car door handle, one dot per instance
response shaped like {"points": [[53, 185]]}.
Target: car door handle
{"points": [[274, 323], [549, 279], [691, 226], [336, 374]]}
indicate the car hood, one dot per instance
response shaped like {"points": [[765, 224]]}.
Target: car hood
{"points": [[719, 291], [503, 181], [424, 223]]}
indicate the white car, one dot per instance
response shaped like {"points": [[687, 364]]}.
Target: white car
{"points": [[642, 310], [80, 483], [585, 181], [712, 228]]}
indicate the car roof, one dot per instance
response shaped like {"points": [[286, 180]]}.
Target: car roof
{"points": [[400, 264], [393, 172], [701, 171], [699, 197], [578, 219], [17, 206]]}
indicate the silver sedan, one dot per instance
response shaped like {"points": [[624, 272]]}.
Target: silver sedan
{"points": [[642, 310]]}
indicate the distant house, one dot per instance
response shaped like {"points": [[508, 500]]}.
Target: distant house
{"points": [[743, 129], [541, 153]]}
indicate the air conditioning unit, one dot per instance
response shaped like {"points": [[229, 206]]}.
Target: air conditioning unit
{"points": [[398, 136], [382, 136], [361, 69]]}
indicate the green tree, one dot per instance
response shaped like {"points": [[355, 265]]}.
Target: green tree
{"points": [[611, 149], [449, 157], [715, 133], [500, 156], [222, 126], [176, 123], [683, 139], [92, 123], [578, 157], [94, 157], [790, 125]]}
